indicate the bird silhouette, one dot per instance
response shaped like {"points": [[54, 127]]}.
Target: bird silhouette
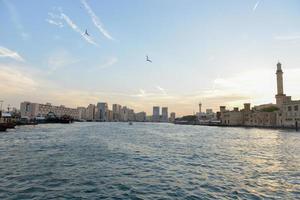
{"points": [[86, 33], [147, 59]]}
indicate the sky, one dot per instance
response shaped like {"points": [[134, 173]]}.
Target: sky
{"points": [[217, 52]]}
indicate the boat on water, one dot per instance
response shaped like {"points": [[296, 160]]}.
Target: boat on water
{"points": [[52, 118], [130, 123], [6, 121], [9, 125], [65, 119], [2, 128]]}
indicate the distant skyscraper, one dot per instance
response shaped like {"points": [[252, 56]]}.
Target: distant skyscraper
{"points": [[165, 115], [200, 106], [172, 117], [116, 112], [156, 114], [90, 112], [110, 115], [124, 114], [81, 113], [140, 117], [102, 112], [131, 116]]}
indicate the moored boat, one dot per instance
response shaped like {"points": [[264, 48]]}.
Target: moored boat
{"points": [[9, 125], [2, 128]]}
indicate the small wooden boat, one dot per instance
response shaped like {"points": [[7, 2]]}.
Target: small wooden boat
{"points": [[2, 128]]}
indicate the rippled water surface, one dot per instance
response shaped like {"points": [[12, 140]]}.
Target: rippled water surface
{"points": [[148, 161]]}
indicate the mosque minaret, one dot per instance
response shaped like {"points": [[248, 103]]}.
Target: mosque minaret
{"points": [[280, 96]]}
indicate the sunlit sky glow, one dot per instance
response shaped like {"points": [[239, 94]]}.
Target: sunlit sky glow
{"points": [[217, 52]]}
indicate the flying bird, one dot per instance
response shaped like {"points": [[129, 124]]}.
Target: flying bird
{"points": [[86, 33], [147, 59]]}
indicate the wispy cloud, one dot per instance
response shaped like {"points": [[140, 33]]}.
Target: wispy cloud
{"points": [[4, 52], [288, 37], [162, 90], [59, 59], [255, 6], [15, 18], [96, 20], [111, 61], [57, 19], [76, 29], [59, 24], [14, 82]]}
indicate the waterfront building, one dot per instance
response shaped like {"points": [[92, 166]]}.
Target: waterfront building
{"points": [[172, 117], [90, 112], [289, 114], [81, 113], [156, 114], [131, 115], [32, 110], [116, 112], [165, 116], [109, 115], [280, 96], [102, 112], [207, 116], [285, 113], [124, 114], [140, 117], [232, 118], [29, 110]]}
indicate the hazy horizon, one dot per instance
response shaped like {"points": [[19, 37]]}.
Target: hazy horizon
{"points": [[213, 52]]}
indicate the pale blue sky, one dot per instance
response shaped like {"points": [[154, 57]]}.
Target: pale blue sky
{"points": [[213, 51]]}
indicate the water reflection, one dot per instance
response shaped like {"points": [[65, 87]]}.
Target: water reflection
{"points": [[114, 160]]}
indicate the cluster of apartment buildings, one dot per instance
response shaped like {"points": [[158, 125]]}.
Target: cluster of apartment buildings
{"points": [[33, 110], [99, 112], [164, 116], [102, 113], [285, 113]]}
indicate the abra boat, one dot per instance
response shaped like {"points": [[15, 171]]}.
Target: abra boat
{"points": [[2, 128]]}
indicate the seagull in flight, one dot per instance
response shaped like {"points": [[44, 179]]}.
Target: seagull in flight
{"points": [[86, 33], [147, 59]]}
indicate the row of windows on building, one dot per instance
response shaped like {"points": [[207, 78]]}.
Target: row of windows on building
{"points": [[290, 108]]}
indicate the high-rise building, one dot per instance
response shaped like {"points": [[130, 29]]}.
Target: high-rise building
{"points": [[102, 109], [90, 112], [109, 117], [124, 114], [140, 117], [116, 112], [81, 113], [131, 116], [172, 117], [165, 115], [156, 114]]}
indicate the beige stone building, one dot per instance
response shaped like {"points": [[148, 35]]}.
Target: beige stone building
{"points": [[285, 113], [140, 117], [232, 118], [90, 112], [289, 113], [81, 113], [32, 110], [172, 117]]}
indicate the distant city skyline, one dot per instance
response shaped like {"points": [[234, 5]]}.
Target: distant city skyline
{"points": [[213, 52]]}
